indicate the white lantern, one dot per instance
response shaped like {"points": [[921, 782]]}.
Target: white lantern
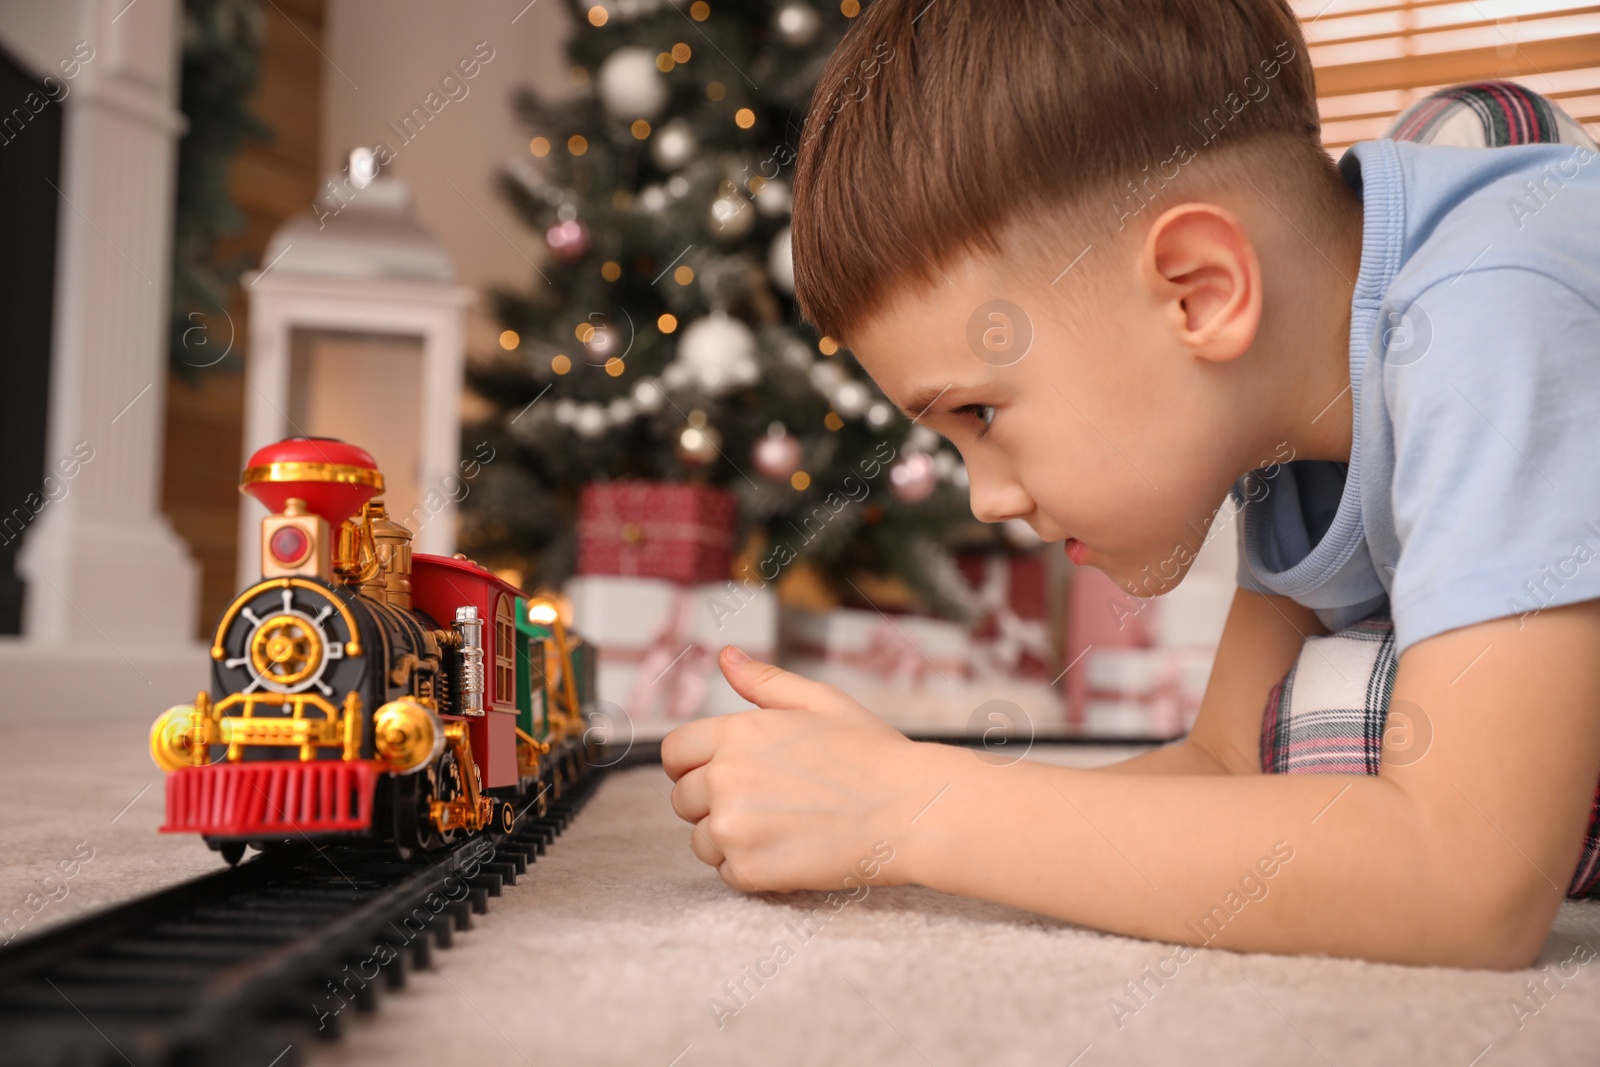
{"points": [[358, 331]]}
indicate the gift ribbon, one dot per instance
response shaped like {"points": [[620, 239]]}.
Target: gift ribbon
{"points": [[676, 658], [891, 655], [1014, 635]]}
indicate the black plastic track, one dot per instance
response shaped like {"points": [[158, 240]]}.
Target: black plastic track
{"points": [[253, 964]]}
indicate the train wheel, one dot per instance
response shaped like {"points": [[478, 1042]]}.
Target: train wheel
{"points": [[232, 852], [504, 819]]}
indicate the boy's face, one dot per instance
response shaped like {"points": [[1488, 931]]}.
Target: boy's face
{"points": [[1078, 410]]}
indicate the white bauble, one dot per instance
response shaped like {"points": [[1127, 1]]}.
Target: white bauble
{"points": [[731, 218], [922, 439], [621, 410], [850, 399], [566, 411], [780, 261], [825, 375], [878, 415], [673, 144], [630, 86], [653, 199], [590, 420], [774, 199], [713, 347], [798, 24], [648, 396]]}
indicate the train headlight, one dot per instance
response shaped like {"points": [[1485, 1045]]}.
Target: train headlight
{"points": [[406, 736], [179, 738]]}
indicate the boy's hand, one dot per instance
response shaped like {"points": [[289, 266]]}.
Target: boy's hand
{"points": [[796, 793]]}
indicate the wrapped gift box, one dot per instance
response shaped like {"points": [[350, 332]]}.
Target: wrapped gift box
{"points": [[914, 672], [1012, 638], [658, 642], [680, 533], [1144, 692]]}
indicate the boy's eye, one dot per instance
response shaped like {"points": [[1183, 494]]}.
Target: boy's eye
{"points": [[984, 413]]}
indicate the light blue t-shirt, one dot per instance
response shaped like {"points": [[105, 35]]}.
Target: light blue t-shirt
{"points": [[1473, 488]]}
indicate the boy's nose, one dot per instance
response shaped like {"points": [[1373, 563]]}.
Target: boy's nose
{"points": [[996, 500]]}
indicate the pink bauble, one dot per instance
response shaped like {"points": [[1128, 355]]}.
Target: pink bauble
{"points": [[568, 240], [777, 456], [913, 478]]}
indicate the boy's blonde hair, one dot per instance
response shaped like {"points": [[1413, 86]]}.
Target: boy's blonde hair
{"points": [[939, 126]]}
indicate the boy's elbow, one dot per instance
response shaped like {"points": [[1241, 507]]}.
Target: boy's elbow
{"points": [[1502, 921]]}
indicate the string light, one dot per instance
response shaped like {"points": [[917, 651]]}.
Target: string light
{"points": [[667, 322], [744, 118], [597, 16], [800, 480], [509, 339], [539, 146], [561, 364], [611, 270], [615, 367], [699, 10], [827, 346], [641, 129], [683, 275], [577, 144], [833, 422]]}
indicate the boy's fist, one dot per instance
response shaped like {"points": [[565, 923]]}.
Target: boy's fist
{"points": [[796, 793]]}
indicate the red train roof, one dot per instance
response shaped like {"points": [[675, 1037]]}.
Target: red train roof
{"points": [[467, 570]]}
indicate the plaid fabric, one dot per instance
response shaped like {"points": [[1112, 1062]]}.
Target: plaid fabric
{"points": [[1327, 716], [1487, 115]]}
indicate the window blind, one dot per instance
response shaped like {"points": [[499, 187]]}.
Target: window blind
{"points": [[1374, 58]]}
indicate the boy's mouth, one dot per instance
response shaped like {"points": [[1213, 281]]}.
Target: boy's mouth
{"points": [[1076, 550]]}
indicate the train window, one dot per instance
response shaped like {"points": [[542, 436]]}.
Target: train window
{"points": [[505, 653]]}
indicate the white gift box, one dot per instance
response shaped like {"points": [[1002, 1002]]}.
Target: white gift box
{"points": [[658, 641], [914, 672], [1144, 692]]}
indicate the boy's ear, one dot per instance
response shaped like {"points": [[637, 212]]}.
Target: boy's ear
{"points": [[1201, 269]]}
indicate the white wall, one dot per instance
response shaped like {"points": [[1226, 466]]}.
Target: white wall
{"points": [[384, 56]]}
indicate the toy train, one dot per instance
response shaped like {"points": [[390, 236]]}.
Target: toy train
{"points": [[361, 692]]}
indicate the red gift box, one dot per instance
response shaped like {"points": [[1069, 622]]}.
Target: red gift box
{"points": [[1012, 637], [683, 533]]}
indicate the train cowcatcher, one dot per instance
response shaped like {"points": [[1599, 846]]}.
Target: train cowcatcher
{"points": [[363, 692]]}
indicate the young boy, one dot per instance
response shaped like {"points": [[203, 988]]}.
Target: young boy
{"points": [[1137, 190]]}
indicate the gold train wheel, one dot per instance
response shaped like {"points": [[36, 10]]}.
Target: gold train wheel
{"points": [[286, 649]]}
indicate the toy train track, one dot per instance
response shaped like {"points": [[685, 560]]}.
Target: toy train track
{"points": [[255, 963]]}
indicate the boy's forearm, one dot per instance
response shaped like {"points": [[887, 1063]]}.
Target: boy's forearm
{"points": [[1178, 757], [1304, 863]]}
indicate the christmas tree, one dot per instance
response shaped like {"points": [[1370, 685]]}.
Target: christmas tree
{"points": [[662, 341]]}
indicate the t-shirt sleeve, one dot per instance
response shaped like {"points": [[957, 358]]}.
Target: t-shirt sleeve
{"points": [[1496, 489]]}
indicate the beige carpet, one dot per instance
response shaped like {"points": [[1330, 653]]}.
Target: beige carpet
{"points": [[610, 952]]}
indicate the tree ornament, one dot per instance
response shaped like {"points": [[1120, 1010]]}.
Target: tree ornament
{"points": [[568, 240], [777, 455], [774, 199], [652, 199], [798, 24], [713, 352], [850, 398], [590, 421], [630, 86], [780, 261], [698, 441], [732, 218], [913, 478], [673, 145]]}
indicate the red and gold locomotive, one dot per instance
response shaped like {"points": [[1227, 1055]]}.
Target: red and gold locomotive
{"points": [[361, 691]]}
